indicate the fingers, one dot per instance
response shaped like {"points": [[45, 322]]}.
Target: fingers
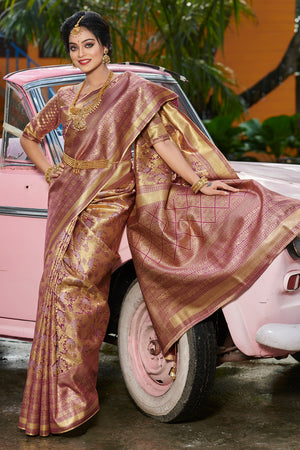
{"points": [[218, 188], [57, 170], [227, 187]]}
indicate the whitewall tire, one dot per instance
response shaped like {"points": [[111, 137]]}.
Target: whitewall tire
{"points": [[147, 373]]}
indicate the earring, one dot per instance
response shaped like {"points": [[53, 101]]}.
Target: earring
{"points": [[106, 58]]}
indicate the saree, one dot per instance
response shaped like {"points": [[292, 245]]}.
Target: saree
{"points": [[191, 252], [195, 253], [87, 213]]}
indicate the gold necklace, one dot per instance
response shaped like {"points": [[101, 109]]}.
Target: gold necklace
{"points": [[78, 115]]}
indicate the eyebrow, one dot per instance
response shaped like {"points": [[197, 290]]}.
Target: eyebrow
{"points": [[89, 39]]}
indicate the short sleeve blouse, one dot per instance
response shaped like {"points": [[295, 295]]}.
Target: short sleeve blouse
{"points": [[155, 131], [46, 120]]}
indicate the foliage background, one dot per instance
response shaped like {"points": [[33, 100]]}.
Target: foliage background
{"points": [[180, 35]]}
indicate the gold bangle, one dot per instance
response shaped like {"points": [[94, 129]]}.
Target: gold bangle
{"points": [[47, 174], [198, 185]]}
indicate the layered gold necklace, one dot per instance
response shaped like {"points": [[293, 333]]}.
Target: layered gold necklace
{"points": [[79, 114]]}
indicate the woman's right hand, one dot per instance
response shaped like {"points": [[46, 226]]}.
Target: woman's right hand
{"points": [[58, 170], [54, 172]]}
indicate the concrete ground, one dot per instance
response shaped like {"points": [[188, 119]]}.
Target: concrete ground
{"points": [[253, 405]]}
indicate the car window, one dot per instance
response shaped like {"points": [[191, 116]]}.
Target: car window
{"points": [[16, 119], [16, 116]]}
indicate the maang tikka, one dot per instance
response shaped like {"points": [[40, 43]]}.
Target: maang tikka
{"points": [[76, 29]]}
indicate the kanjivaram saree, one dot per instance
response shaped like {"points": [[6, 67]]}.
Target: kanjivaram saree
{"points": [[192, 253], [195, 253]]}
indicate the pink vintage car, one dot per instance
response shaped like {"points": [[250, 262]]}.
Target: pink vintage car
{"points": [[264, 322]]}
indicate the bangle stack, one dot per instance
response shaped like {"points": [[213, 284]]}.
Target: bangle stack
{"points": [[48, 172], [198, 185]]}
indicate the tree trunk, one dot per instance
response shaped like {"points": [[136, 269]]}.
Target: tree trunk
{"points": [[287, 66]]}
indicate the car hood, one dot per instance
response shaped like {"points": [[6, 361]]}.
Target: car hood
{"points": [[281, 178]]}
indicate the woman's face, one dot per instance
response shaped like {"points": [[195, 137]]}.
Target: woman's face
{"points": [[86, 51]]}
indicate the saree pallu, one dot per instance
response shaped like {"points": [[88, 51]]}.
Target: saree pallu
{"points": [[195, 253]]}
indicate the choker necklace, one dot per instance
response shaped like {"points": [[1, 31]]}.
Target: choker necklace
{"points": [[78, 115]]}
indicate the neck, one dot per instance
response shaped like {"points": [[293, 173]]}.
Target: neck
{"points": [[98, 77]]}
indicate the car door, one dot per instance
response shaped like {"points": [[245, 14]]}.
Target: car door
{"points": [[23, 212]]}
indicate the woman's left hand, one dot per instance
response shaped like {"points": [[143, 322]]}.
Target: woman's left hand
{"points": [[217, 188]]}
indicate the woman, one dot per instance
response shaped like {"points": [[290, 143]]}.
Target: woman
{"points": [[172, 228]]}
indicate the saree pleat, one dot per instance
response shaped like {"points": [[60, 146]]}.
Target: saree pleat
{"points": [[60, 391]]}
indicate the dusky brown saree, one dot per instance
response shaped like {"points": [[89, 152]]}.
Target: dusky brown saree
{"points": [[192, 253]]}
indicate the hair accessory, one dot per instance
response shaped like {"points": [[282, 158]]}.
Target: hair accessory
{"points": [[106, 58], [76, 30]]}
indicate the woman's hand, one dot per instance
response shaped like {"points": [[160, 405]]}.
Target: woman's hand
{"points": [[171, 154], [57, 170], [217, 188], [54, 172]]}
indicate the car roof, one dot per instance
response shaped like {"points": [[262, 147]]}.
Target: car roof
{"points": [[25, 76]]}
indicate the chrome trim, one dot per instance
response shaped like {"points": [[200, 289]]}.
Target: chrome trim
{"points": [[23, 212], [12, 130]]}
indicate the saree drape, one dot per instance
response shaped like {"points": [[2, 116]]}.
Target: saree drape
{"points": [[195, 253], [192, 253]]}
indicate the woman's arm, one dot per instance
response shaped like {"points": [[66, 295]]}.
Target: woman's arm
{"points": [[35, 154], [171, 154], [46, 120]]}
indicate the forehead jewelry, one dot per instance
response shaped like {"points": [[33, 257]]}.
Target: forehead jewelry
{"points": [[76, 29]]}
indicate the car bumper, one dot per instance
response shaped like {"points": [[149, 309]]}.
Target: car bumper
{"points": [[279, 335]]}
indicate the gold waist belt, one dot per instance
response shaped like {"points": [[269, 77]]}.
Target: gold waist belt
{"points": [[78, 164]]}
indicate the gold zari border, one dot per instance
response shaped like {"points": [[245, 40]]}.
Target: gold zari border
{"points": [[241, 274]]}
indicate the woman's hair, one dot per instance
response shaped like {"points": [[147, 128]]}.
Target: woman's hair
{"points": [[93, 22]]}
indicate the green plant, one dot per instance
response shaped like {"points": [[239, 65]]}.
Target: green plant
{"points": [[180, 35], [275, 139], [274, 135], [226, 136]]}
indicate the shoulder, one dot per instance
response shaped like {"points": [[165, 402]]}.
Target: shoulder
{"points": [[69, 88], [138, 79], [65, 94], [147, 85]]}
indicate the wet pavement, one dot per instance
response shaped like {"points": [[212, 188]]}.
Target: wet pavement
{"points": [[253, 405]]}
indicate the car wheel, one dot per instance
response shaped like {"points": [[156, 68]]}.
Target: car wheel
{"points": [[296, 356], [148, 375]]}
